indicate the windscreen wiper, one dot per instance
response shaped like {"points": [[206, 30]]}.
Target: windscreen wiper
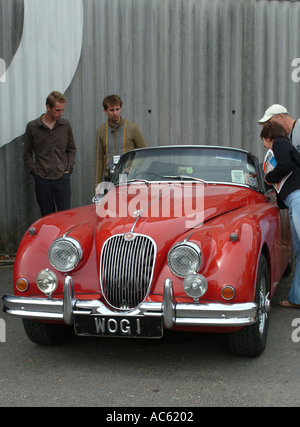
{"points": [[136, 180], [183, 177]]}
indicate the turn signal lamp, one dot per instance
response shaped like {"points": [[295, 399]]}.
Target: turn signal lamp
{"points": [[22, 285], [228, 292]]}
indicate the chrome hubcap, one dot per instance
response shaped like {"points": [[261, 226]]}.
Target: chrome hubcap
{"points": [[264, 305]]}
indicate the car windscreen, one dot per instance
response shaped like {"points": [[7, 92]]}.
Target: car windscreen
{"points": [[211, 164]]}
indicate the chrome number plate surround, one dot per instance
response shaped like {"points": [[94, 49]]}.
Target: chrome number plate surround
{"points": [[118, 326]]}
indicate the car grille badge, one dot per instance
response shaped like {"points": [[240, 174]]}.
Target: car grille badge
{"points": [[129, 236]]}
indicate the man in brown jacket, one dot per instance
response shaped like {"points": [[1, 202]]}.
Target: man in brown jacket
{"points": [[49, 154], [115, 137]]}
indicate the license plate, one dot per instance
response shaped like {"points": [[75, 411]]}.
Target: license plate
{"points": [[118, 326]]}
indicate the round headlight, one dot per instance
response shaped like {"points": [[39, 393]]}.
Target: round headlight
{"points": [[195, 285], [64, 254], [184, 259], [47, 281]]}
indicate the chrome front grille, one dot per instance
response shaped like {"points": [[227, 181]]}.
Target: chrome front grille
{"points": [[126, 269]]}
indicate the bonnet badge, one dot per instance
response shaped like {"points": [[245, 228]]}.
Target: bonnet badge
{"points": [[129, 236]]}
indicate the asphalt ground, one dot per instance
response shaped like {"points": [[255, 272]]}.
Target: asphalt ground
{"points": [[179, 371]]}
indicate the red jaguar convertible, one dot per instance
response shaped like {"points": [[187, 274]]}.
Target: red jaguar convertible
{"points": [[183, 238]]}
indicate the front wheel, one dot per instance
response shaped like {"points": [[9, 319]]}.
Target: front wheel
{"points": [[251, 340], [47, 333]]}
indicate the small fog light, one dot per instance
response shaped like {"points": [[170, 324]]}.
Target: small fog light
{"points": [[47, 281], [195, 285], [228, 292], [22, 285]]}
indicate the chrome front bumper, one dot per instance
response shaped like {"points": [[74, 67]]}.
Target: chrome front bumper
{"points": [[172, 313]]}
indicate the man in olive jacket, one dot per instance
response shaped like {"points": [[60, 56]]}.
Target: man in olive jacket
{"points": [[115, 137]]}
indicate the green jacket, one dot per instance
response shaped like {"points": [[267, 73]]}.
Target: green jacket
{"points": [[111, 143]]}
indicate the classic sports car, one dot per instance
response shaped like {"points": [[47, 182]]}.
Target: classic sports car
{"points": [[184, 238]]}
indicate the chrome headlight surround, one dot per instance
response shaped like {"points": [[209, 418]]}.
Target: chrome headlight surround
{"points": [[65, 253], [184, 258]]}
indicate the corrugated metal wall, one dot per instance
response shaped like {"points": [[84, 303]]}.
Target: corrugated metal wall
{"points": [[188, 71]]}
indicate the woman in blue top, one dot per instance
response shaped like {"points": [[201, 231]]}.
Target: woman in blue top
{"points": [[274, 137]]}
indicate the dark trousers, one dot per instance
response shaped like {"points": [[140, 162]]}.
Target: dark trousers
{"points": [[53, 192]]}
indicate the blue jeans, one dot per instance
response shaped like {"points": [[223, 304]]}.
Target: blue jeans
{"points": [[293, 203]]}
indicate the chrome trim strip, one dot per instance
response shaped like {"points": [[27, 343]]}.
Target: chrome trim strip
{"points": [[239, 321], [215, 310], [134, 224], [68, 301], [37, 315], [168, 307], [42, 308]]}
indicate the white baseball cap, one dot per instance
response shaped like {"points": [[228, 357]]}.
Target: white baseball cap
{"points": [[271, 111]]}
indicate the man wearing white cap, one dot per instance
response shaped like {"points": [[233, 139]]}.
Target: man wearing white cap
{"points": [[278, 113]]}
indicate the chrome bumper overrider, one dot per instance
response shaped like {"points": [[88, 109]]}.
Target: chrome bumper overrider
{"points": [[172, 313]]}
